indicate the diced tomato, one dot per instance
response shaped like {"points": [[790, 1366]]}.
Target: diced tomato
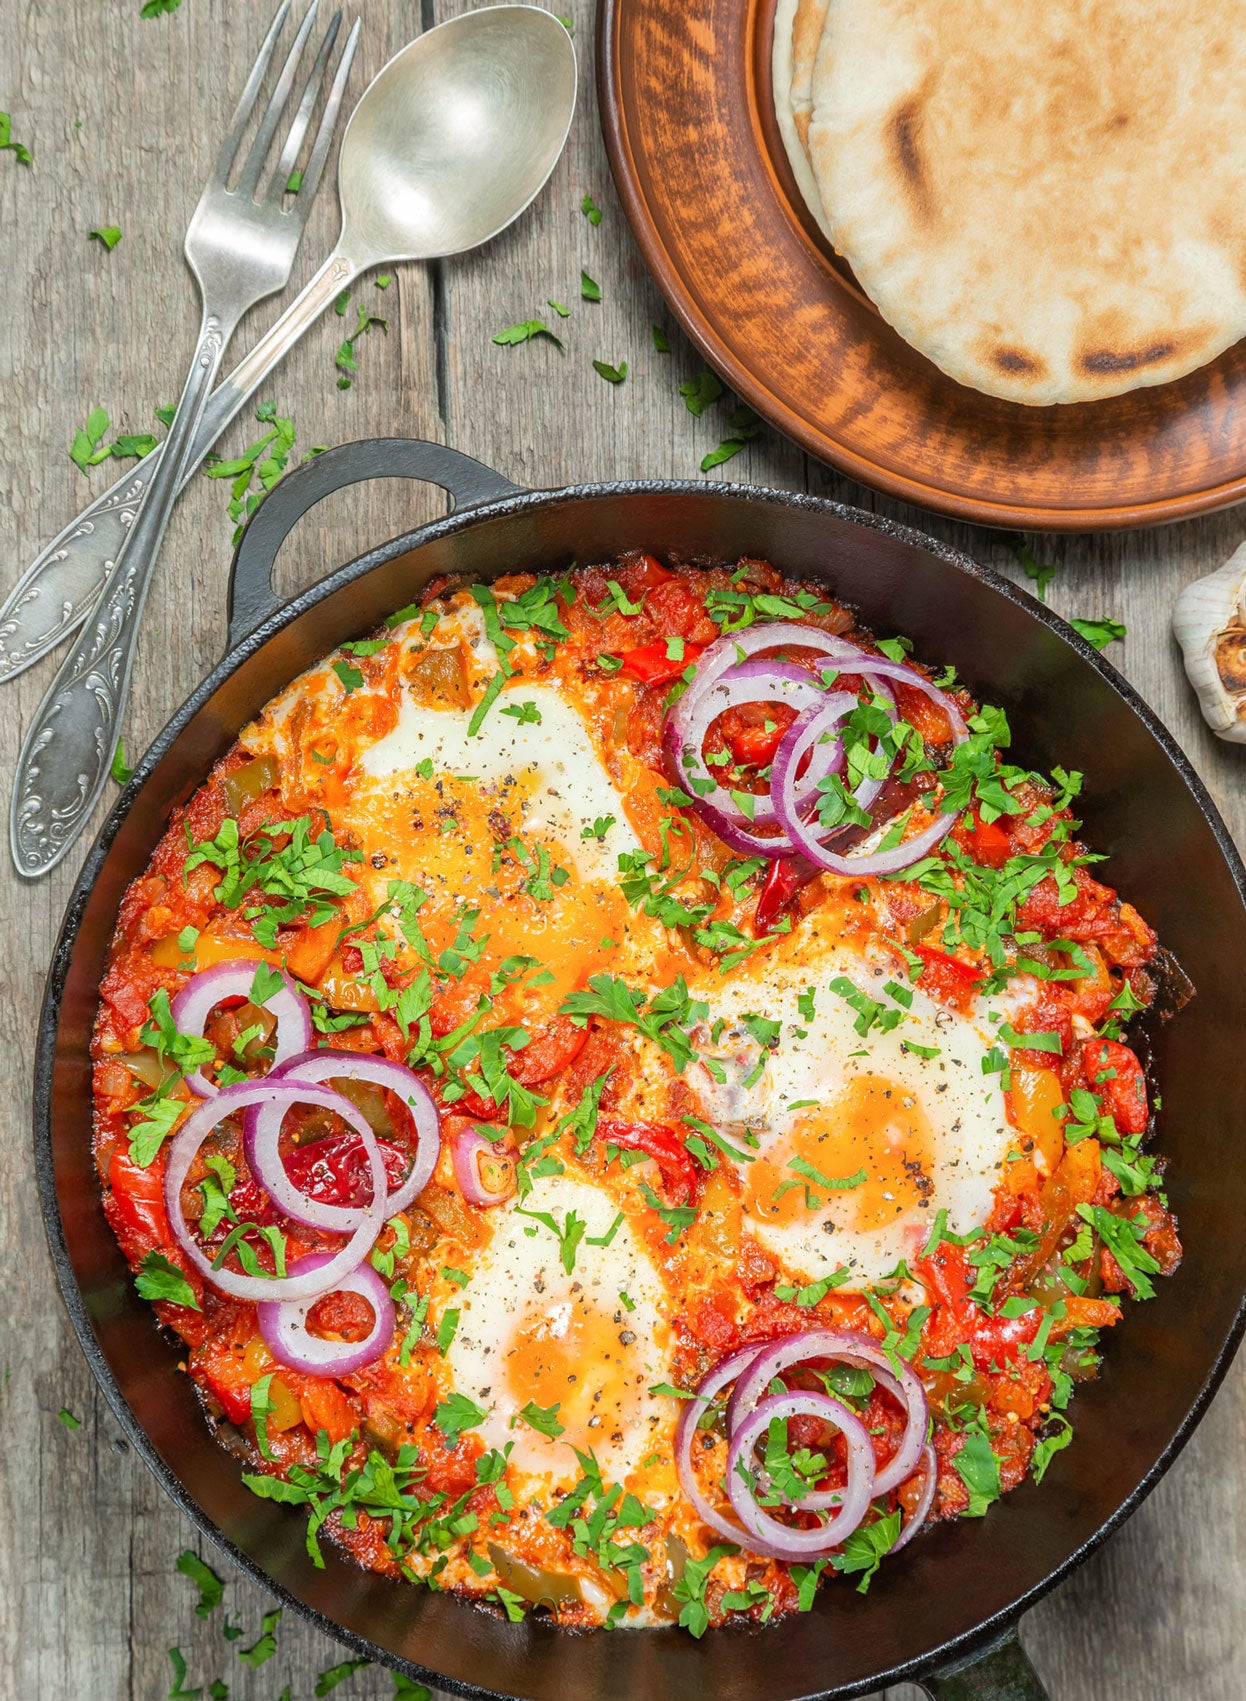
{"points": [[677, 609], [640, 573], [985, 841], [652, 663], [661, 1142], [711, 1320], [326, 1407], [754, 731], [947, 978], [956, 1318], [1123, 1093], [924, 713], [784, 878]]}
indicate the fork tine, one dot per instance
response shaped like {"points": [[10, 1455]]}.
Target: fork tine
{"points": [[302, 118], [250, 176], [328, 121], [229, 147]]}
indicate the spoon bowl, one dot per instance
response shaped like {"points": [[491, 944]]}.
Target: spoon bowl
{"points": [[456, 135]]}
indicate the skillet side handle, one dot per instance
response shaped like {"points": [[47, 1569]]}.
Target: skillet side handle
{"points": [[999, 1672], [251, 597]]}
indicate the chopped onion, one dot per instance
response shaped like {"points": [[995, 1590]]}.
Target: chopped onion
{"points": [[486, 1176], [263, 1132], [196, 1001], [283, 1324], [183, 1149]]}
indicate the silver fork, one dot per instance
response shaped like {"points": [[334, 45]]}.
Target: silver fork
{"points": [[240, 246]]}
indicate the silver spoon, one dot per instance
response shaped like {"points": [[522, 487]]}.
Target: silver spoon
{"points": [[447, 146]]}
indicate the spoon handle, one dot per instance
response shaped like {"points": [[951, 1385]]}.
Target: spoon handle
{"points": [[63, 582]]}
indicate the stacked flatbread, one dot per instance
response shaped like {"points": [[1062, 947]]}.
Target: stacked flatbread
{"points": [[1047, 198]]}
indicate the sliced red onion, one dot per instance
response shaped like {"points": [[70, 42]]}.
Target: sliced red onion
{"points": [[878, 667], [917, 1517], [861, 1351], [204, 991], [751, 682], [284, 1325], [201, 1122], [470, 1151], [691, 1412], [769, 1535], [263, 1133], [736, 648], [733, 670]]}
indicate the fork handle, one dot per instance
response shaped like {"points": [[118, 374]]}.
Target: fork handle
{"points": [[59, 588], [69, 747]]}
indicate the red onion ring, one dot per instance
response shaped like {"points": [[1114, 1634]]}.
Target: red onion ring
{"points": [[284, 1324], [750, 682], [732, 670], [193, 1005], [725, 1371], [779, 1540], [466, 1149], [917, 1517], [182, 1152], [861, 1351], [263, 1132]]}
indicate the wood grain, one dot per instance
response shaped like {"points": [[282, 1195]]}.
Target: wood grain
{"points": [[688, 107], [90, 1599]]}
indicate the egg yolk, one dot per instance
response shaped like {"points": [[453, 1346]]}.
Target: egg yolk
{"points": [[874, 1126], [577, 1356]]}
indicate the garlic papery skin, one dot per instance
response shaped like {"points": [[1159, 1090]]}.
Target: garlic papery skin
{"points": [[1209, 622]]}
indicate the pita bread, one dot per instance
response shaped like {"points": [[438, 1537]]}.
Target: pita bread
{"points": [[1045, 197], [794, 21]]}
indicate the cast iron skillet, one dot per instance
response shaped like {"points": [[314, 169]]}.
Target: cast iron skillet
{"points": [[945, 1613]]}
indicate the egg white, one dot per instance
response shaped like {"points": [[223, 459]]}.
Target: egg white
{"points": [[529, 1330], [942, 1116]]}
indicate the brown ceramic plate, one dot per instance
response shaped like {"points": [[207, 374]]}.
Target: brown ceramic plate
{"points": [[688, 114]]}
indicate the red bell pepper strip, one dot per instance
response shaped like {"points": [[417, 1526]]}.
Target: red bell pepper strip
{"points": [[659, 1141], [784, 878], [650, 662]]}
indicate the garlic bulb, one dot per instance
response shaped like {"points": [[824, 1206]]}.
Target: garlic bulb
{"points": [[1209, 622]]}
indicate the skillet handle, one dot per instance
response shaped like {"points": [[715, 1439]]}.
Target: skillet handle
{"points": [[999, 1672], [251, 597]]}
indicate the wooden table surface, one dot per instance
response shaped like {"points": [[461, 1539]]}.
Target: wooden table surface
{"points": [[121, 114]]}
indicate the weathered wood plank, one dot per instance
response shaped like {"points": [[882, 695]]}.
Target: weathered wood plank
{"points": [[92, 1599]]}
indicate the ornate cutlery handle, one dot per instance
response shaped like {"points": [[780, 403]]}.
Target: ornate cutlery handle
{"points": [[59, 588], [70, 744]]}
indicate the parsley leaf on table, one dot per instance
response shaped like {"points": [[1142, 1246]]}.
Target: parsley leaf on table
{"points": [[524, 332], [21, 152], [700, 391], [589, 208], [1100, 633], [211, 1587], [612, 374], [108, 234], [119, 771]]}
